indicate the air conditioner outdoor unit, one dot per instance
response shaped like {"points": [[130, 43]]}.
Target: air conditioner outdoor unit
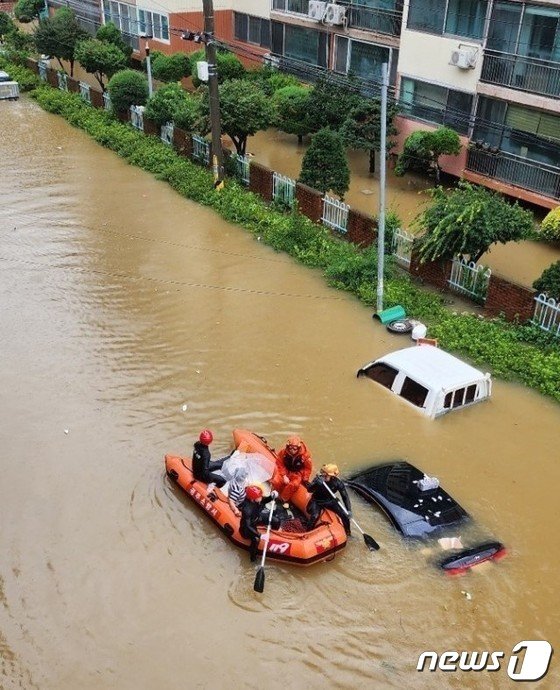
{"points": [[316, 10], [464, 59], [335, 14]]}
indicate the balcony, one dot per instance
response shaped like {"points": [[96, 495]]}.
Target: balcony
{"points": [[375, 19], [523, 73], [520, 172]]}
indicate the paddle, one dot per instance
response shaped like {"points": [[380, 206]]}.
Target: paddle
{"points": [[259, 577], [369, 540]]}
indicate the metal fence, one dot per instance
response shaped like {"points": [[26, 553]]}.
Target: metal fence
{"points": [[43, 66], [107, 100], [166, 133], [335, 213], [85, 92], [547, 314], [201, 149], [507, 167], [521, 72], [242, 167], [375, 19], [468, 278], [62, 79], [402, 247], [137, 117], [283, 189]]}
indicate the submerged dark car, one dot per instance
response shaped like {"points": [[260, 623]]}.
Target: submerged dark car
{"points": [[420, 509]]}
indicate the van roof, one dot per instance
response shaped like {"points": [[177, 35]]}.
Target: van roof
{"points": [[432, 367]]}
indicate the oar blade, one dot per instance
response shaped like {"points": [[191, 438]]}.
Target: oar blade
{"points": [[371, 543], [259, 580]]}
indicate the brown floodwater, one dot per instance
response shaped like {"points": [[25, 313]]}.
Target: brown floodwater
{"points": [[120, 303], [521, 262]]}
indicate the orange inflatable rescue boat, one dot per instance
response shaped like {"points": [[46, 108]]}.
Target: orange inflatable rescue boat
{"points": [[292, 542]]}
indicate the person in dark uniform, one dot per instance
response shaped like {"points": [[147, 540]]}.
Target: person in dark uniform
{"points": [[252, 514], [203, 466], [321, 499]]}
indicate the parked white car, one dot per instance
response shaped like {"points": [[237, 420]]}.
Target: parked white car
{"points": [[430, 379]]}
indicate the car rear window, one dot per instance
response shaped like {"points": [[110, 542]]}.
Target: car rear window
{"points": [[414, 392]]}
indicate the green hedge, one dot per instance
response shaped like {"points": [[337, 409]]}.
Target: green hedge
{"points": [[509, 350]]}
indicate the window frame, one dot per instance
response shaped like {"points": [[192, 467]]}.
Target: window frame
{"points": [[448, 34], [449, 118], [348, 48]]}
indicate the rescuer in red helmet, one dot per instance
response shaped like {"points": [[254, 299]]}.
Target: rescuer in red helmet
{"points": [[204, 468], [293, 467], [252, 514]]}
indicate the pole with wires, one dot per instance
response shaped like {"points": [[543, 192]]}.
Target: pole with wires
{"points": [[214, 96], [382, 168]]}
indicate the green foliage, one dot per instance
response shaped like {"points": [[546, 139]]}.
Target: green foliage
{"points": [[228, 64], [330, 102], [26, 79], [171, 67], [59, 35], [271, 80], [245, 109], [422, 150], [108, 33], [550, 227], [324, 165], [6, 24], [549, 281], [291, 104], [100, 59], [171, 103], [127, 88], [26, 11], [467, 221]]}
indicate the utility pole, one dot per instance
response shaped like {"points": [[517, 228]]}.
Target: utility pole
{"points": [[149, 67], [217, 153], [382, 166]]}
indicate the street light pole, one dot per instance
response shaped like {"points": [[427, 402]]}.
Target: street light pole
{"points": [[382, 166], [149, 67], [214, 96]]}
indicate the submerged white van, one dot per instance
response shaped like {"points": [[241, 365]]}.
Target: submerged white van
{"points": [[430, 379]]}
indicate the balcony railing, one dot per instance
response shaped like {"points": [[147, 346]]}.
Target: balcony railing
{"points": [[374, 19], [507, 167], [523, 73]]}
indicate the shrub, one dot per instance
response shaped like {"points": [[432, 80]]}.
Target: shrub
{"points": [[170, 68], [422, 150], [127, 88], [550, 227], [26, 11], [6, 24], [549, 281], [228, 64], [171, 103], [325, 166]]}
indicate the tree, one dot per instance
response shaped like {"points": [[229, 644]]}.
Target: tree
{"points": [[467, 221], [171, 67], [271, 80], [171, 103], [127, 88], [324, 165], [228, 65], [108, 33], [26, 11], [6, 24], [292, 110], [100, 59], [245, 109], [59, 35], [422, 151], [550, 227], [362, 128], [331, 101], [549, 282]]}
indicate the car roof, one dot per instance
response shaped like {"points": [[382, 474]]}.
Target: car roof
{"points": [[432, 367]]}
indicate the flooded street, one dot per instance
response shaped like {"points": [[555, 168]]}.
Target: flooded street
{"points": [[120, 303]]}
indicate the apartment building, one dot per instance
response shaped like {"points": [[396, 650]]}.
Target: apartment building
{"points": [[488, 68]]}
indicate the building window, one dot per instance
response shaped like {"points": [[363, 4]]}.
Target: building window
{"points": [[301, 44], [251, 29], [436, 104], [529, 30], [153, 24], [295, 6], [454, 17], [362, 60]]}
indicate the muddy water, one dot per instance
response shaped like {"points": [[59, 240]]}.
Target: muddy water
{"points": [[121, 302], [521, 262]]}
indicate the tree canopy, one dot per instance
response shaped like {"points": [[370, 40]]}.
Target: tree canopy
{"points": [[549, 281], [292, 110], [100, 59], [362, 128], [26, 11], [324, 165], [228, 65], [330, 102], [550, 227], [467, 221], [108, 33], [422, 150], [171, 103], [127, 88], [6, 24], [59, 35], [170, 68]]}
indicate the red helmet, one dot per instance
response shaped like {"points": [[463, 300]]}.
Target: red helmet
{"points": [[206, 437], [254, 493]]}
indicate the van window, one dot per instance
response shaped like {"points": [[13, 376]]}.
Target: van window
{"points": [[471, 393], [382, 373], [414, 392], [460, 397]]}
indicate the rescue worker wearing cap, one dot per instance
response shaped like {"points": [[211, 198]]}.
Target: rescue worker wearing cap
{"points": [[321, 499], [252, 514], [293, 468], [204, 467]]}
